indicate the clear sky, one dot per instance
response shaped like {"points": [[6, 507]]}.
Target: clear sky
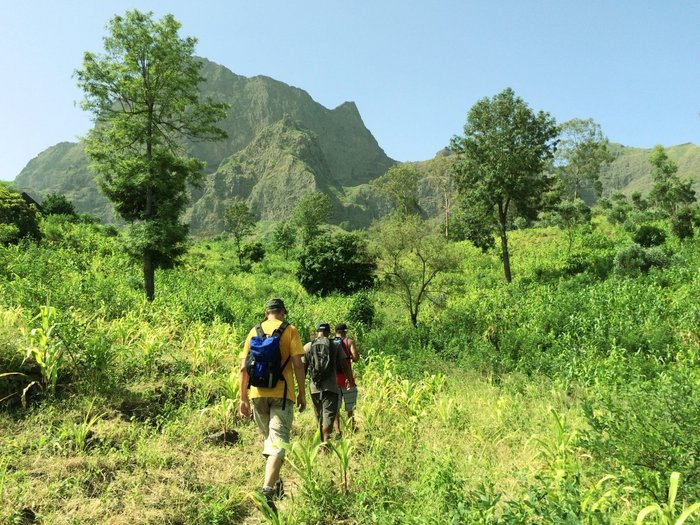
{"points": [[414, 68]]}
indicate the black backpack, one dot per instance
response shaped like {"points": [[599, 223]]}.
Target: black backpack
{"points": [[264, 361], [321, 360]]}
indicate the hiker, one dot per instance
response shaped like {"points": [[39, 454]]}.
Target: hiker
{"points": [[346, 386], [323, 357], [271, 352]]}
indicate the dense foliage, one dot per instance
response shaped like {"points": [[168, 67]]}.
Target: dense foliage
{"points": [[566, 396], [336, 262]]}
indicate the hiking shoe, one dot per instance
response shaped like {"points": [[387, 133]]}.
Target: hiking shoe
{"points": [[269, 494], [279, 489]]}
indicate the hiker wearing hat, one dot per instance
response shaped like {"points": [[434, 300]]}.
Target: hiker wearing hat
{"points": [[323, 357], [346, 384], [270, 361]]}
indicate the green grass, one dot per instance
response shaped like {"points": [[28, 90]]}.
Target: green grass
{"points": [[500, 407]]}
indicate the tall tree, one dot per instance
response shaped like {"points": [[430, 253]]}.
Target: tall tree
{"points": [[409, 259], [143, 94], [500, 161], [399, 185], [312, 210], [669, 193], [441, 177], [240, 222], [284, 237], [581, 154]]}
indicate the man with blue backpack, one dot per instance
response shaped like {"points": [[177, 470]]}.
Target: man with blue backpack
{"points": [[270, 362]]}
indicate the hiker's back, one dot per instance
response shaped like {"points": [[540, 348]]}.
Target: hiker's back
{"points": [[322, 360]]}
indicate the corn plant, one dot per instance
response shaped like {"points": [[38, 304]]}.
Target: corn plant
{"points": [[78, 433], [47, 350], [302, 457], [342, 451], [666, 512], [272, 516]]}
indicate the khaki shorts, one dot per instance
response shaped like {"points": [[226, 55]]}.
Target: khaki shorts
{"points": [[274, 423]]}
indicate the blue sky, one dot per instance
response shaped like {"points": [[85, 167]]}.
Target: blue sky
{"points": [[414, 68]]}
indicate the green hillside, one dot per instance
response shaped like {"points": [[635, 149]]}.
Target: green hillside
{"points": [[337, 151], [631, 171]]}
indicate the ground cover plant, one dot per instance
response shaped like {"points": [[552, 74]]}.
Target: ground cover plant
{"points": [[566, 396]]}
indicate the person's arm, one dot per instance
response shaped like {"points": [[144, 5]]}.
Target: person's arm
{"points": [[243, 382], [347, 369], [300, 375], [353, 350]]}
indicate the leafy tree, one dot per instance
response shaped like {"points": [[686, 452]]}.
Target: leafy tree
{"points": [[682, 223], [441, 177], [240, 222], [57, 204], [312, 210], [338, 262], [284, 237], [570, 214], [18, 218], [399, 185], [669, 192], [582, 153], [410, 257], [500, 161], [143, 93]]}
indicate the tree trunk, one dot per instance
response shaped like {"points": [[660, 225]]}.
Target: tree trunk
{"points": [[502, 215], [149, 275]]}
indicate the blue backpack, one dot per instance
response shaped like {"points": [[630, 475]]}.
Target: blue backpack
{"points": [[264, 361]]}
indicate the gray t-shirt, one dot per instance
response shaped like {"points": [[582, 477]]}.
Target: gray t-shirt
{"points": [[330, 383]]}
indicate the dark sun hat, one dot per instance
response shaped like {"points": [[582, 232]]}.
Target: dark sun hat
{"points": [[275, 304]]}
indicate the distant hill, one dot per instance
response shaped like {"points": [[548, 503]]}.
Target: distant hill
{"points": [[281, 145], [631, 171]]}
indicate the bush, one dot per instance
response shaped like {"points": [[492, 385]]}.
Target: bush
{"points": [[648, 235], [336, 262], [253, 252], [682, 223], [56, 204], [362, 310], [649, 428], [635, 259], [15, 211]]}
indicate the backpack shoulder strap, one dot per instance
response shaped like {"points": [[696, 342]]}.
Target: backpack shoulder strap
{"points": [[281, 328], [259, 330]]}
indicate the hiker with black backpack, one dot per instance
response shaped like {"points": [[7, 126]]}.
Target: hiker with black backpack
{"points": [[270, 362], [323, 357]]}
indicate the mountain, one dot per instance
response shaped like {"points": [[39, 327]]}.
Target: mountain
{"points": [[631, 171], [281, 145]]}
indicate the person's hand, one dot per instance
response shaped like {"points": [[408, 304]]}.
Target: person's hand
{"points": [[347, 384], [245, 409], [301, 401]]}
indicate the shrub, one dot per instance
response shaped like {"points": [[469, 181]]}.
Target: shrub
{"points": [[362, 310], [336, 262], [682, 223], [648, 235], [56, 204], [253, 252], [649, 428], [15, 211], [635, 259]]}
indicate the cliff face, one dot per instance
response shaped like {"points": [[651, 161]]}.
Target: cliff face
{"points": [[281, 144]]}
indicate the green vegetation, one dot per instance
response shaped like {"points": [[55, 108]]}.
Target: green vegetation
{"points": [[143, 93], [567, 396]]}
